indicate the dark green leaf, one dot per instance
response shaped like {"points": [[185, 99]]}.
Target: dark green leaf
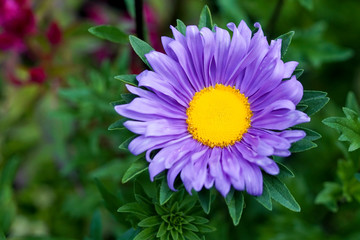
{"points": [[111, 201], [205, 18], [298, 73], [130, 6], [129, 234], [174, 234], [137, 167], [205, 200], [181, 27], [125, 144], [310, 134], [352, 103], [150, 221], [95, 227], [285, 172], [302, 145], [110, 33], [116, 103], [146, 234], [280, 193], [165, 192], [160, 210], [128, 97], [162, 230], [190, 235], [190, 227], [235, 203], [119, 124], [286, 40], [135, 208], [265, 198], [314, 100], [349, 127], [357, 176], [329, 195], [128, 79], [141, 48], [206, 228]]}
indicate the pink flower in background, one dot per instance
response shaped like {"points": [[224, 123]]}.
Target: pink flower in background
{"points": [[37, 75], [54, 34]]}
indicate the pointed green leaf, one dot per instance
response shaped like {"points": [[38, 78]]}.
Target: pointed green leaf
{"points": [[141, 48], [146, 234], [199, 220], [2, 236], [165, 192], [265, 198], [314, 100], [190, 235], [348, 126], [329, 195], [206, 228], [311, 135], [205, 200], [128, 79], [352, 103], [190, 227], [130, 6], [302, 145], [298, 73], [285, 172], [124, 145], [119, 124], [150, 221], [110, 33], [235, 205], [205, 18], [162, 230], [129, 234], [174, 234], [357, 176], [137, 167], [128, 97], [135, 208], [181, 27], [286, 40], [280, 193], [116, 103], [96, 227]]}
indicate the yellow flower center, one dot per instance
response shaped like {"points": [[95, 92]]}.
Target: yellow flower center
{"points": [[218, 116]]}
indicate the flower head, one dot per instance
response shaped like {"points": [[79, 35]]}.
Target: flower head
{"points": [[216, 107]]}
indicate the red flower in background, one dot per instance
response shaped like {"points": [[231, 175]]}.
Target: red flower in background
{"points": [[54, 34]]}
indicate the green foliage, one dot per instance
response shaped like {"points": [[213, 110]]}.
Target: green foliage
{"points": [[136, 168], [286, 40], [235, 202], [313, 101], [110, 33], [308, 4], [128, 79], [205, 18], [181, 27], [141, 48], [205, 200]]}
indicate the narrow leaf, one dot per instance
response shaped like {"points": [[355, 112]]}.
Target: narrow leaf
{"points": [[95, 227], [286, 40], [165, 192], [280, 193], [190, 235], [285, 172], [265, 198], [130, 6], [137, 167], [298, 73], [134, 208], [129, 234], [128, 79], [206, 228], [141, 48], [119, 124], [150, 221], [311, 135], [205, 18], [110, 33], [181, 27], [235, 206], [352, 103], [128, 97], [146, 234], [205, 200], [125, 144], [302, 145], [314, 100]]}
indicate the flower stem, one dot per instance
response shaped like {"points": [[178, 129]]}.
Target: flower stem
{"points": [[139, 19], [274, 18]]}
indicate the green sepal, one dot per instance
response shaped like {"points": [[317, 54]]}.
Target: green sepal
{"points": [[119, 124], [181, 27], [137, 167], [128, 79], [128, 97], [280, 193], [204, 197], [265, 198], [286, 40], [150, 221], [110, 33], [348, 126], [235, 202], [141, 48], [314, 101], [165, 192], [205, 18]]}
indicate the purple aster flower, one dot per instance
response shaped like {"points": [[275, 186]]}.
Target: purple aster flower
{"points": [[216, 108]]}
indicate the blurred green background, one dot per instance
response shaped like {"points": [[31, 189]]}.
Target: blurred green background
{"points": [[53, 130]]}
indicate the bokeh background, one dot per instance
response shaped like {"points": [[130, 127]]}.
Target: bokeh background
{"points": [[57, 80]]}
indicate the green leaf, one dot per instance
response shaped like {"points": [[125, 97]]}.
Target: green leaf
{"points": [[141, 48], [116, 103], [137, 167], [181, 27], [162, 230], [205, 200], [128, 79], [352, 103], [235, 203], [329, 195], [125, 144], [128, 97], [285, 172], [146, 234], [150, 221], [130, 6], [349, 127], [111, 201], [165, 192], [135, 208], [119, 124], [298, 73], [311, 135], [110, 33], [302, 145], [190, 235], [206, 228], [357, 176], [314, 100], [308, 4], [199, 220], [286, 40], [129, 234], [205, 18], [95, 227], [190, 227], [174, 234], [265, 198], [280, 193]]}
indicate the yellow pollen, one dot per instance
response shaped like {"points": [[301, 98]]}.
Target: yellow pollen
{"points": [[218, 116]]}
